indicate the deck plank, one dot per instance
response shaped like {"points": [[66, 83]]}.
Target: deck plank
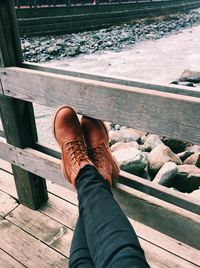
{"points": [[27, 249], [7, 203], [8, 261], [7, 184], [43, 228], [61, 210]]}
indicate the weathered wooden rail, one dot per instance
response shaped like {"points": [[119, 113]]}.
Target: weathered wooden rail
{"points": [[58, 20], [144, 106]]}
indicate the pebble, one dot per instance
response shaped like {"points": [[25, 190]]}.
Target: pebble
{"points": [[121, 145], [194, 159], [131, 160], [151, 142], [187, 179], [176, 146], [159, 156], [166, 174]]}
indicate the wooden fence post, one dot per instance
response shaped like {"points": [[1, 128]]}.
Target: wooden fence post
{"points": [[18, 116]]}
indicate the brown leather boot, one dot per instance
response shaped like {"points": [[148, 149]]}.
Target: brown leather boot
{"points": [[68, 133], [97, 141]]}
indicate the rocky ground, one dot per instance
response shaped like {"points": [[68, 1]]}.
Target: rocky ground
{"points": [[116, 38], [166, 161]]}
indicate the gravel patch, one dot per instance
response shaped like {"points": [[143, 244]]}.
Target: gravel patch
{"points": [[115, 38]]}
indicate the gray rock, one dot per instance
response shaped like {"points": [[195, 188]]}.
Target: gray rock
{"points": [[194, 149], [176, 146], [52, 49], [166, 174], [159, 156], [187, 179], [108, 125], [195, 194], [191, 76], [183, 155], [145, 174], [129, 135], [131, 160], [115, 136], [121, 145], [117, 127], [194, 159], [151, 142]]}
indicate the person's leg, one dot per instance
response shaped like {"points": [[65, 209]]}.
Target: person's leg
{"points": [[110, 237], [79, 252]]}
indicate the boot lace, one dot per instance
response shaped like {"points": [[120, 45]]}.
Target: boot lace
{"points": [[76, 151], [97, 156]]}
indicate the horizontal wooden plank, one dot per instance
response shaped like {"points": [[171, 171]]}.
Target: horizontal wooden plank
{"points": [[160, 215], [42, 227], [167, 243], [61, 210], [48, 167], [177, 198], [62, 192], [158, 257], [27, 249], [7, 203], [129, 106], [126, 81], [4, 165], [8, 261]]}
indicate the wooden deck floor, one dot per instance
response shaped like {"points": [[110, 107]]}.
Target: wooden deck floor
{"points": [[42, 238]]}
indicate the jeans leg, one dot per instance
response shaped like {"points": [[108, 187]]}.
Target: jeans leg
{"points": [[79, 252], [111, 239]]}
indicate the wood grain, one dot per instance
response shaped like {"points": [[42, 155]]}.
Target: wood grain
{"points": [[126, 81], [160, 215], [130, 106], [8, 261], [27, 249], [44, 228], [7, 204]]}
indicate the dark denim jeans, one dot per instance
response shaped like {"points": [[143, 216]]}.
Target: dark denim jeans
{"points": [[103, 236]]}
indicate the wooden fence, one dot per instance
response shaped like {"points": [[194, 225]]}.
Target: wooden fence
{"points": [[126, 102], [58, 20]]}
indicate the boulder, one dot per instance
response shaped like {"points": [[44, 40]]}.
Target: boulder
{"points": [[187, 179], [195, 194], [159, 156], [194, 159], [151, 142], [121, 145], [108, 125], [176, 146], [193, 149], [191, 76], [114, 137], [183, 155], [145, 174], [166, 174], [129, 135], [131, 160]]}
